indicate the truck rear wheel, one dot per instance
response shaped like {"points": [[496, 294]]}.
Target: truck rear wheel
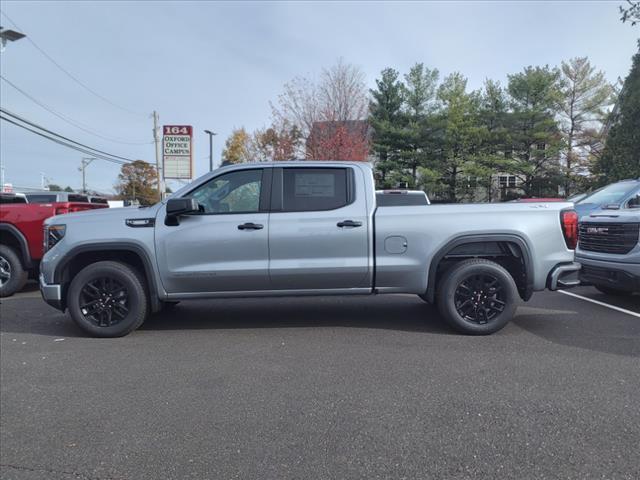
{"points": [[477, 297], [108, 299], [12, 276]]}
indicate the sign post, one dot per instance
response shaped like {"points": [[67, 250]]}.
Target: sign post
{"points": [[177, 152]]}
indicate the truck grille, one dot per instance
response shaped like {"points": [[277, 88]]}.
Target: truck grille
{"points": [[618, 238]]}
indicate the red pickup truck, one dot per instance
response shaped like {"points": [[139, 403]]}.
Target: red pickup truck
{"points": [[21, 229]]}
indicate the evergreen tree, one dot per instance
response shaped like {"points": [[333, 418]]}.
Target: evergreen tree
{"points": [[459, 120], [535, 101], [419, 135], [494, 117], [621, 156], [385, 117]]}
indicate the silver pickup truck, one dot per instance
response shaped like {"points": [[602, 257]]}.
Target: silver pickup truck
{"points": [[303, 228]]}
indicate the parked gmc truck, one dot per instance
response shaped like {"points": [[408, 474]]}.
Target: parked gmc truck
{"points": [[303, 228], [609, 248], [21, 226]]}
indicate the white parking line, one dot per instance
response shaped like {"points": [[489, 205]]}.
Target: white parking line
{"points": [[612, 307]]}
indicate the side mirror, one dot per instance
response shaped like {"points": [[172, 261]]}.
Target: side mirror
{"points": [[180, 206], [634, 202]]}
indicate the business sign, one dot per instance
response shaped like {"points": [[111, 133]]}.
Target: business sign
{"points": [[177, 152]]}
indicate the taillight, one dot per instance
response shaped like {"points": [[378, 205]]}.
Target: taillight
{"points": [[61, 210], [569, 222]]}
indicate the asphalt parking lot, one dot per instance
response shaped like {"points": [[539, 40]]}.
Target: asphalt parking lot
{"points": [[348, 387]]}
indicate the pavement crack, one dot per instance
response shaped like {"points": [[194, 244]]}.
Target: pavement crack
{"points": [[78, 475]]}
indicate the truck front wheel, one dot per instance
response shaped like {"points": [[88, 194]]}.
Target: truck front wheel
{"points": [[477, 297], [108, 299], [12, 276]]}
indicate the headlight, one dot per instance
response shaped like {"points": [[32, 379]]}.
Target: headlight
{"points": [[52, 235]]}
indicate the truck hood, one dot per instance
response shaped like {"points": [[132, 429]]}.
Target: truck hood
{"points": [[623, 215], [107, 215]]}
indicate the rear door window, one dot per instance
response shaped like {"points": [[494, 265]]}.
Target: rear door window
{"points": [[42, 198], [314, 189]]}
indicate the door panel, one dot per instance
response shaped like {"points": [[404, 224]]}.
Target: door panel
{"points": [[224, 248], [208, 253], [307, 249]]}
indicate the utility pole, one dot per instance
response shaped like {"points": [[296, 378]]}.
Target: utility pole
{"points": [[6, 36], [211, 135], [83, 165], [156, 140]]}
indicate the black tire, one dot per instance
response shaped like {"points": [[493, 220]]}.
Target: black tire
{"points": [[489, 288], [108, 299], [614, 291], [12, 276]]}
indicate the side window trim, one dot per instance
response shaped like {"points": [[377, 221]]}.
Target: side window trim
{"points": [[265, 192], [277, 191]]}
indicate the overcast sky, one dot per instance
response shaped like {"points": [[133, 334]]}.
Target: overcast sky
{"points": [[217, 65]]}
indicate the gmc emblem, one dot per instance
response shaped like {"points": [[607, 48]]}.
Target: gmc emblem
{"points": [[597, 230]]}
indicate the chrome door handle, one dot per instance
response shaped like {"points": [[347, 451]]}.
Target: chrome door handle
{"points": [[349, 223], [250, 226]]}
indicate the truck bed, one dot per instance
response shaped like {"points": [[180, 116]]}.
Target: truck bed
{"points": [[428, 230]]}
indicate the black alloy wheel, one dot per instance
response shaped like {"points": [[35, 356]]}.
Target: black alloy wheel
{"points": [[104, 301], [12, 274], [5, 271], [108, 299], [479, 298]]}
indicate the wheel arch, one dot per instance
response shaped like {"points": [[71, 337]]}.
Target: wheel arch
{"points": [[454, 248], [128, 253], [12, 237]]}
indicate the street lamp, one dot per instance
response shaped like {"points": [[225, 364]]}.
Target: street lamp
{"points": [[7, 35], [211, 135]]}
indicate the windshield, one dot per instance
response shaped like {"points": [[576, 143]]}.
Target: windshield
{"points": [[614, 193], [12, 199]]}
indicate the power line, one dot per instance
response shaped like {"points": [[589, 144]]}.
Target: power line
{"points": [[65, 144], [68, 119], [71, 76], [24, 120]]}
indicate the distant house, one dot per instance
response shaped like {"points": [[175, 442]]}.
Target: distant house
{"points": [[339, 140]]}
